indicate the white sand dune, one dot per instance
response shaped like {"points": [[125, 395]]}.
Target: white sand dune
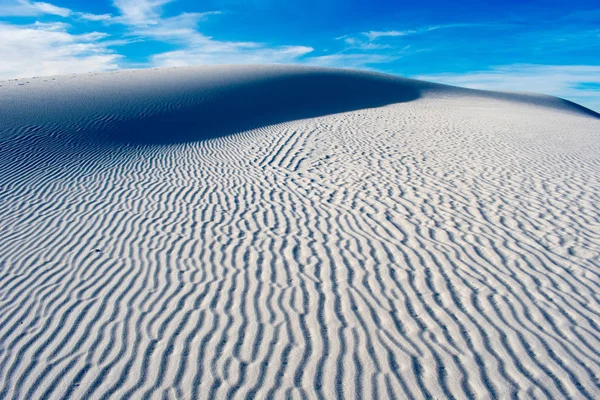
{"points": [[289, 232]]}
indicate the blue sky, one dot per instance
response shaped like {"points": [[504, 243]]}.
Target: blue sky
{"points": [[546, 46]]}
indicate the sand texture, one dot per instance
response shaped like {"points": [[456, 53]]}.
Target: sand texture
{"points": [[295, 232]]}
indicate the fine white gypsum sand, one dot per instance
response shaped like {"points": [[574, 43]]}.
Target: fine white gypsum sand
{"points": [[274, 231]]}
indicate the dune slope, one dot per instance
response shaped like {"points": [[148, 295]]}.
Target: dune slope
{"points": [[273, 231]]}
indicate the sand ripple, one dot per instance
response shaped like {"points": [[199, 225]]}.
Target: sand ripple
{"points": [[442, 247]]}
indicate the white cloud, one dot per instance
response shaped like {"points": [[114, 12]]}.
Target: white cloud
{"points": [[144, 19], [48, 49], [47, 8], [26, 8], [214, 52], [566, 81], [179, 29], [31, 8], [356, 43], [372, 35], [350, 60], [94, 17], [140, 12]]}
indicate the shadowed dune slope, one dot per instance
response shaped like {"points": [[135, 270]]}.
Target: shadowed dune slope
{"points": [[188, 104], [197, 103], [267, 232]]}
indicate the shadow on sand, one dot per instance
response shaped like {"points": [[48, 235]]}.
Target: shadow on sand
{"points": [[169, 106], [226, 109]]}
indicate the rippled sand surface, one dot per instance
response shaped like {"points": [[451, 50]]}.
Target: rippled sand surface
{"points": [[275, 232]]}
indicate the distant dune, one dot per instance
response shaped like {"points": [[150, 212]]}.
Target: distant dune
{"points": [[295, 232]]}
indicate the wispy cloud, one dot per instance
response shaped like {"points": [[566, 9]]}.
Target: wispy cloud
{"points": [[25, 8], [372, 35], [140, 12], [145, 19], [366, 49], [95, 17], [351, 60], [358, 43], [31, 8], [230, 53], [49, 49], [47, 8], [574, 82]]}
